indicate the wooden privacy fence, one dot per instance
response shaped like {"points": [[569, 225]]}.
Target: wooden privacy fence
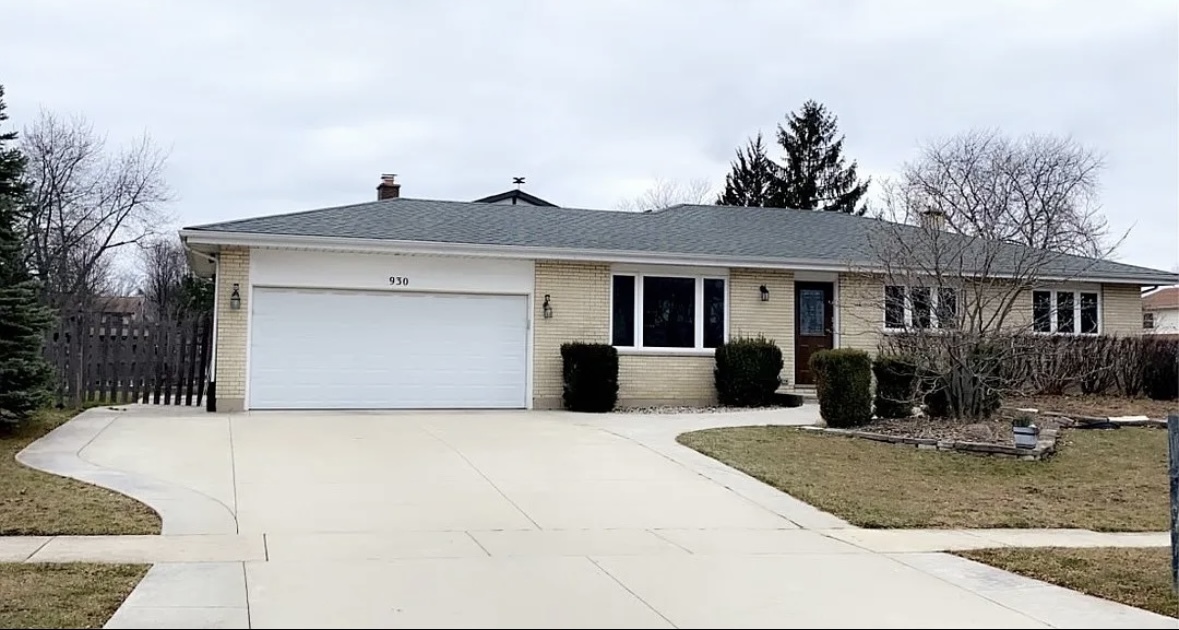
{"points": [[111, 362]]}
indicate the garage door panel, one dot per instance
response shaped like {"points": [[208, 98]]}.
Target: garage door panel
{"points": [[342, 349]]}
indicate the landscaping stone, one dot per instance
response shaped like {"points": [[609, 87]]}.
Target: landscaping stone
{"points": [[1044, 447]]}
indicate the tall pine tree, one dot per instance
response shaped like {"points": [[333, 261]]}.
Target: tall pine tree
{"points": [[751, 180], [24, 374], [814, 175]]}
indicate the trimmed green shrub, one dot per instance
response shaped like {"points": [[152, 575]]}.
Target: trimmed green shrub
{"points": [[1160, 374], [896, 378], [748, 372], [843, 380], [590, 372]]}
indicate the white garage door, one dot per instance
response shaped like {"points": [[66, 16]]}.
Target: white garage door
{"points": [[313, 349]]}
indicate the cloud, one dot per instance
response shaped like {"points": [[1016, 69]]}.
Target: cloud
{"points": [[280, 106]]}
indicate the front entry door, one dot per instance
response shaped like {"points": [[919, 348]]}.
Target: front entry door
{"points": [[813, 325]]}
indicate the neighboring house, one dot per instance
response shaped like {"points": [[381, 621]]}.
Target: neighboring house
{"points": [[390, 189], [120, 309], [517, 197], [1160, 311], [411, 303]]}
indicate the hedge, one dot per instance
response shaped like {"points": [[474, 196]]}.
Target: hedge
{"points": [[843, 380], [590, 372], [748, 372], [896, 379]]}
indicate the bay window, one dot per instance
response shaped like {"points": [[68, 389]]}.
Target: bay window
{"points": [[663, 311], [1066, 312], [920, 307]]}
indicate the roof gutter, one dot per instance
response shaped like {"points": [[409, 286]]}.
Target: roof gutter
{"points": [[289, 241]]}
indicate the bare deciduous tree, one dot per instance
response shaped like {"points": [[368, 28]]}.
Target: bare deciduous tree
{"points": [[170, 288], [86, 203], [667, 192], [1037, 190], [996, 218], [164, 269]]}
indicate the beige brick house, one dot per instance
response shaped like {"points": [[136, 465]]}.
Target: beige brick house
{"points": [[406, 303]]}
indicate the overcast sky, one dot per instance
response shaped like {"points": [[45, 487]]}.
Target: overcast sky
{"points": [[272, 107]]}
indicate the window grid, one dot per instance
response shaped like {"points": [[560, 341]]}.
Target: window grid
{"points": [[1066, 312], [700, 310], [920, 307]]}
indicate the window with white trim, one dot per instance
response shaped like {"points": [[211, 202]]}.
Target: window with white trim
{"points": [[663, 311], [1066, 312], [1147, 321], [920, 307]]}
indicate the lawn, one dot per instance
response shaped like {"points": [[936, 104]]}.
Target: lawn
{"points": [[1114, 480], [1137, 577], [64, 595], [38, 503]]}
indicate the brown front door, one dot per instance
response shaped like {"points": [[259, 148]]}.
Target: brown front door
{"points": [[813, 329]]}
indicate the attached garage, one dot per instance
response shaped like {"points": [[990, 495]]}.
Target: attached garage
{"points": [[350, 349]]}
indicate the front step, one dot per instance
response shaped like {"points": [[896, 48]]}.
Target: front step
{"points": [[807, 393]]}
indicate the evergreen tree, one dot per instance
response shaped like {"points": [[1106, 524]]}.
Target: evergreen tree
{"points": [[814, 175], [751, 178], [24, 374]]}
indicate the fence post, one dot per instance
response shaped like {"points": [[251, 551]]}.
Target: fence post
{"points": [[1173, 472]]}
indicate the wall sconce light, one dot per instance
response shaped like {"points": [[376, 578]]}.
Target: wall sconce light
{"points": [[765, 293], [235, 298], [546, 308]]}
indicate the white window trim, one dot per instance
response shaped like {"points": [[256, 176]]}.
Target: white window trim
{"points": [[1146, 316], [1076, 291], [698, 295], [934, 299]]}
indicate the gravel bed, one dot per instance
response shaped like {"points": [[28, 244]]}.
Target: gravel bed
{"points": [[673, 409]]}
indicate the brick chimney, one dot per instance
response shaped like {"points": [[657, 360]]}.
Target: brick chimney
{"points": [[389, 188], [933, 220]]}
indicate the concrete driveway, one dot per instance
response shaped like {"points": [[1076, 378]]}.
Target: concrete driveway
{"points": [[520, 519]]}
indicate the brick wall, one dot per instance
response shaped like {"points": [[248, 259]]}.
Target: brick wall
{"points": [[646, 380], [750, 317], [233, 267], [1121, 309], [580, 298], [860, 306]]}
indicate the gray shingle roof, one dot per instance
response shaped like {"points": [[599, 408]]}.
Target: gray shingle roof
{"points": [[720, 231]]}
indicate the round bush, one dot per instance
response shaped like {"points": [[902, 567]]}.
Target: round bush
{"points": [[748, 372], [843, 380]]}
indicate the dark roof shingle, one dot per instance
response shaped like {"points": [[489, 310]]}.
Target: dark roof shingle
{"points": [[770, 234]]}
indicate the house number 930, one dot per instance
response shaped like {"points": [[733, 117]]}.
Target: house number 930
{"points": [[398, 281]]}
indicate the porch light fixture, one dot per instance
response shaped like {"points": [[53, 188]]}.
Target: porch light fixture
{"points": [[235, 298], [765, 293], [546, 308]]}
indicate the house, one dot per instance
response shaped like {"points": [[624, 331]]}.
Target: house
{"points": [[414, 303], [517, 197], [120, 309], [1160, 311]]}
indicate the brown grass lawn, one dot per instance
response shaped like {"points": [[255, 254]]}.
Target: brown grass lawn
{"points": [[1137, 577], [37, 503], [1112, 480], [64, 595]]}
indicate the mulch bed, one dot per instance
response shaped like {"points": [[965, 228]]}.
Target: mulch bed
{"points": [[994, 431], [1100, 406]]}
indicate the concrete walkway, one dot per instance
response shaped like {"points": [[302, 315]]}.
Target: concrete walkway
{"points": [[532, 542], [512, 520]]}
